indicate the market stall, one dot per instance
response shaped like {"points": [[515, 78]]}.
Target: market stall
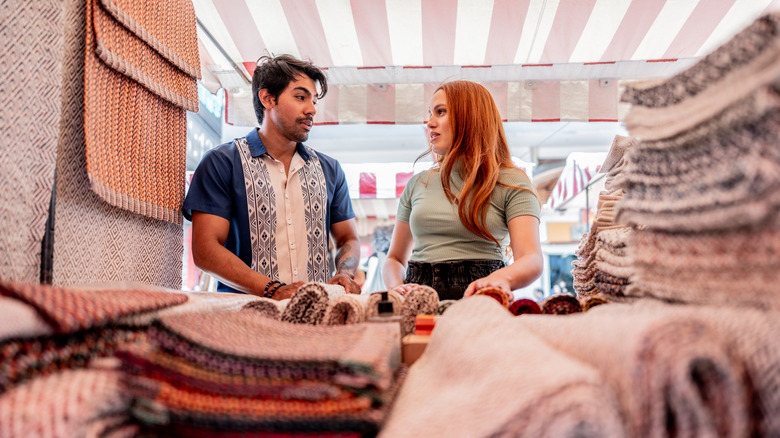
{"points": [[673, 327]]}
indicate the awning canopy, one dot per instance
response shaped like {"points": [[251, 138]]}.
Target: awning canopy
{"points": [[543, 60]]}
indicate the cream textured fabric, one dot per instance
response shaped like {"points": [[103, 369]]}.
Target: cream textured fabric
{"points": [[420, 300], [309, 302], [663, 364], [266, 307], [484, 374], [346, 309]]}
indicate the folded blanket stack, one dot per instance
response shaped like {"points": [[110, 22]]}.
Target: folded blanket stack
{"points": [[49, 339], [484, 374], [231, 373], [602, 252], [704, 182]]}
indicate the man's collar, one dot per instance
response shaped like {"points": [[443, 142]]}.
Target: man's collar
{"points": [[257, 148]]}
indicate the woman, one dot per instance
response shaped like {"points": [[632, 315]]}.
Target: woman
{"points": [[455, 220]]}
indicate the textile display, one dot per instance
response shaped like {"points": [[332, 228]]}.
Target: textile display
{"points": [[712, 369], [374, 298], [32, 39], [72, 309], [448, 392], [561, 304], [87, 402], [91, 237], [420, 300], [743, 64], [141, 67], [703, 188], [503, 298], [346, 309], [525, 306], [229, 373], [309, 303], [266, 307], [60, 328], [603, 250]]}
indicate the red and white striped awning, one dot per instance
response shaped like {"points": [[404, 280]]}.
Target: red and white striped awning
{"points": [[543, 59], [581, 168]]}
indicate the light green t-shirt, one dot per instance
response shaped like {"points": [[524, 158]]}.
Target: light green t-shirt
{"points": [[438, 233]]}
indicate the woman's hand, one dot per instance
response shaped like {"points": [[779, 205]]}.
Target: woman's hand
{"points": [[403, 289], [491, 280]]}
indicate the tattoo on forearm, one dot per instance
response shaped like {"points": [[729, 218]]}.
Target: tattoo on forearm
{"points": [[345, 261]]}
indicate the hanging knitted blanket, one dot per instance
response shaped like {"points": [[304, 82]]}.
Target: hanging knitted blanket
{"points": [[141, 67]]}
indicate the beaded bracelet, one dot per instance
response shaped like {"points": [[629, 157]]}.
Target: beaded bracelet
{"points": [[268, 285], [272, 291]]}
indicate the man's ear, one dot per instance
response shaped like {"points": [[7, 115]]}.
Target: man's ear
{"points": [[266, 98]]}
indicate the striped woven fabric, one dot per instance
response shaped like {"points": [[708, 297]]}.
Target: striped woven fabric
{"points": [[346, 309], [525, 306], [266, 307], [29, 358], [309, 303], [561, 304], [503, 298], [232, 373], [141, 67], [74, 403], [145, 360], [359, 353], [72, 309]]}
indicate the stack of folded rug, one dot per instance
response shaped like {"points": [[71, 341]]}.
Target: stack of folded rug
{"points": [[232, 373], [603, 265], [705, 179], [50, 340]]}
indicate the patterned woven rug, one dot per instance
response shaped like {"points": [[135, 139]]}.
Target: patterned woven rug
{"points": [[94, 241], [141, 67], [31, 44]]}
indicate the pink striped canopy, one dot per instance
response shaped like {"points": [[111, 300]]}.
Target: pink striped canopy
{"points": [[543, 60]]}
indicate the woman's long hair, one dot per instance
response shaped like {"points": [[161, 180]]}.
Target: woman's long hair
{"points": [[480, 150]]}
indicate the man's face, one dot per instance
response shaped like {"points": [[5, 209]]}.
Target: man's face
{"points": [[293, 112]]}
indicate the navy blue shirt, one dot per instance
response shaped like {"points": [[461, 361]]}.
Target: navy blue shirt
{"points": [[217, 188]]}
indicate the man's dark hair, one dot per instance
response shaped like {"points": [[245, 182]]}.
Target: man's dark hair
{"points": [[276, 73]]}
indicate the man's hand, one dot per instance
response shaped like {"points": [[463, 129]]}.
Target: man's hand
{"points": [[287, 291], [346, 281]]}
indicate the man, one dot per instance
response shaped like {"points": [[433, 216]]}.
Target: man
{"points": [[264, 206]]}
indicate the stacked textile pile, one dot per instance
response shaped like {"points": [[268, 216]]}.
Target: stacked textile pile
{"points": [[679, 370], [50, 339], [640, 369], [231, 373], [603, 265], [705, 179], [484, 374]]}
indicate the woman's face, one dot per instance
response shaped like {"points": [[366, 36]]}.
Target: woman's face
{"points": [[439, 130]]}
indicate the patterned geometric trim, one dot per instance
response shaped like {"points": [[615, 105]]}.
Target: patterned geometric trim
{"points": [[315, 201], [261, 208]]}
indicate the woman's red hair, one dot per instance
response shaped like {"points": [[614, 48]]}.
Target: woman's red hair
{"points": [[479, 145]]}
